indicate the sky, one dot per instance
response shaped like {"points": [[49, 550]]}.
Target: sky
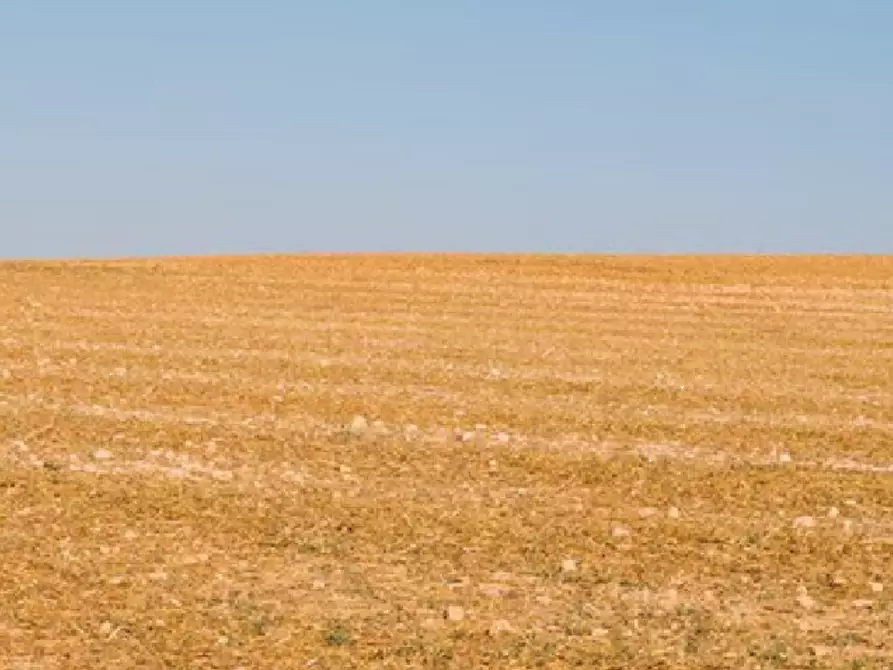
{"points": [[662, 126]]}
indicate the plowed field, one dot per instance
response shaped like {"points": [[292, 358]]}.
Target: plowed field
{"points": [[447, 462]]}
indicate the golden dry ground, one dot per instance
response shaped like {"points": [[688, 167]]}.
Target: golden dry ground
{"points": [[565, 462]]}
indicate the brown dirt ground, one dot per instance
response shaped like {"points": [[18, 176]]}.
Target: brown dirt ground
{"points": [[566, 462]]}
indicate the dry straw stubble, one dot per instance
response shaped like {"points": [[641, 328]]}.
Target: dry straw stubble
{"points": [[446, 461]]}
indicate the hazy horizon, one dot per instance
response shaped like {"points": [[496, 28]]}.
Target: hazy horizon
{"points": [[289, 128]]}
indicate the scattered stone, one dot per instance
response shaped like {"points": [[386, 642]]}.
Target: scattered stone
{"points": [[669, 599], [105, 629], [599, 632], [863, 603], [833, 513], [379, 428], [784, 457], [876, 587], [847, 526], [494, 590], [804, 522], [673, 513], [646, 512], [821, 650], [468, 436], [804, 599], [544, 600], [358, 426], [621, 531], [849, 503], [568, 565], [345, 470], [500, 626], [318, 585], [454, 613], [457, 582], [502, 438]]}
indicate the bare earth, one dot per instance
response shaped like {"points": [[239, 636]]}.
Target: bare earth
{"points": [[562, 462]]}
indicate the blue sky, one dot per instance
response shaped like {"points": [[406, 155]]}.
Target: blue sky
{"points": [[181, 127]]}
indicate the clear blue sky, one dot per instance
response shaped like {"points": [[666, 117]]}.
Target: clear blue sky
{"points": [[159, 127]]}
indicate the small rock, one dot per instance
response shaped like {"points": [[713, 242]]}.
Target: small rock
{"points": [[673, 513], [863, 603], [494, 590], [102, 454], [345, 470], [806, 602], [318, 585], [784, 457], [804, 522], [833, 513], [804, 599], [468, 436], [502, 438], [847, 525], [876, 587], [410, 431], [358, 425], [568, 565], [620, 531], [105, 629], [454, 613], [668, 600], [379, 428], [821, 650], [500, 626], [850, 503], [646, 512], [599, 632], [544, 600], [837, 580]]}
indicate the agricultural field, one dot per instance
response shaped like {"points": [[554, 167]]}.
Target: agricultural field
{"points": [[447, 462]]}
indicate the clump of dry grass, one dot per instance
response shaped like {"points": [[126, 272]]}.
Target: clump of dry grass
{"points": [[442, 462]]}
